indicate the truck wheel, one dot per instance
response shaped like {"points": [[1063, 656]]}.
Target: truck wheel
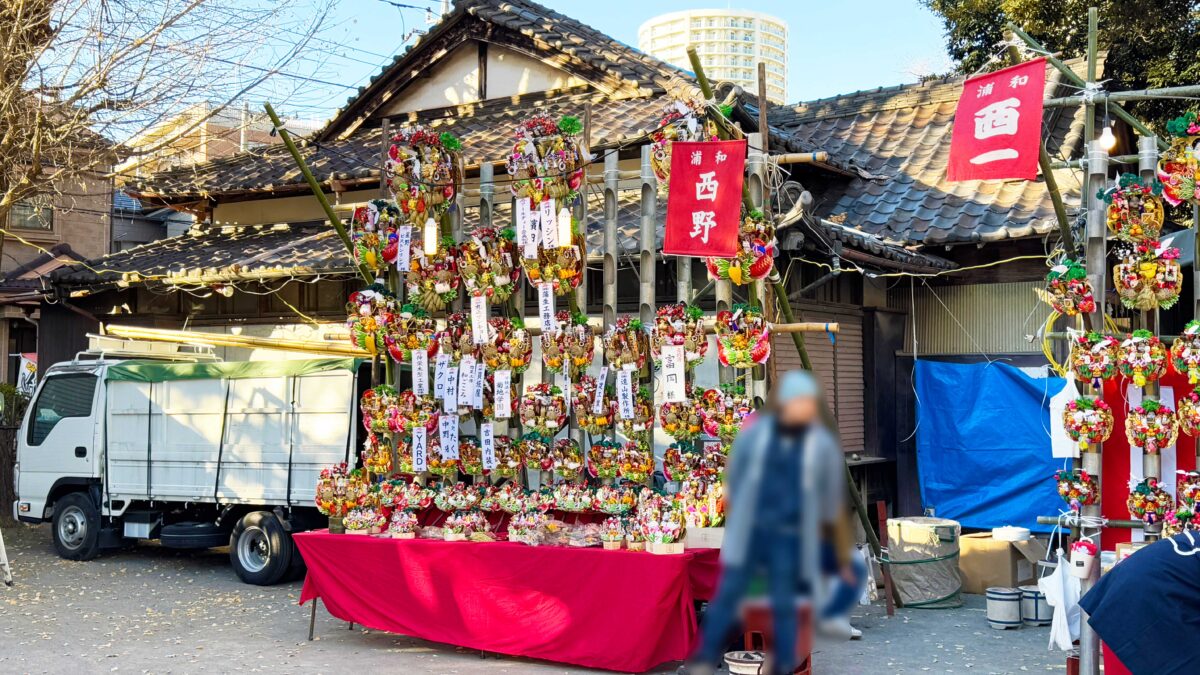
{"points": [[260, 549], [298, 569], [76, 527]]}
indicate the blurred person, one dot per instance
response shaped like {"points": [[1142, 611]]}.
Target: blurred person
{"points": [[784, 486]]}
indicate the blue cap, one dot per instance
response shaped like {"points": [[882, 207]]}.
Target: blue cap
{"points": [[797, 384]]}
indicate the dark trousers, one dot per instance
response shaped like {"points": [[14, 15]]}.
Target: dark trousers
{"points": [[778, 555]]}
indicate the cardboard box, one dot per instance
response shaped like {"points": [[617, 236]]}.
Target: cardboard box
{"points": [[986, 562], [704, 537]]}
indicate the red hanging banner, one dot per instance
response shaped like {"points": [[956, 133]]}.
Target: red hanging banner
{"points": [[998, 125], [704, 205]]}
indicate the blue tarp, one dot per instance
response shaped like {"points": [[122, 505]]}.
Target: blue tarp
{"points": [[983, 450]]}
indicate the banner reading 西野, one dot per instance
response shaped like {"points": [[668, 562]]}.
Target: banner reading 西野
{"points": [[704, 204], [998, 125]]}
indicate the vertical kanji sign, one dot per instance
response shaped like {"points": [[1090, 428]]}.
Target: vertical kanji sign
{"points": [[704, 205], [998, 125]]}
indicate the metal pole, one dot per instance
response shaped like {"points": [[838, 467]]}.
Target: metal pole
{"points": [[648, 238], [1132, 95], [611, 187]]}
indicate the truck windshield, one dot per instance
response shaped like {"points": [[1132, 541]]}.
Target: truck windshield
{"points": [[62, 396]]}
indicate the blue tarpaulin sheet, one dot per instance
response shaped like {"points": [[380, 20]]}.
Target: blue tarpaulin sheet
{"points": [[983, 447]]}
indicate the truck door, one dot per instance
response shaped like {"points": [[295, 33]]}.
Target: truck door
{"points": [[58, 440]]}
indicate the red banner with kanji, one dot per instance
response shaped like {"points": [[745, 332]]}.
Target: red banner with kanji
{"points": [[704, 204], [998, 125]]}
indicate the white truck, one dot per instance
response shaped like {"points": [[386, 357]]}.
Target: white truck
{"points": [[195, 455]]}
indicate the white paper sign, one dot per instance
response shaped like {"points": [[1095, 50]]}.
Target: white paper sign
{"points": [[403, 248], [625, 394], [466, 381], [674, 388], [479, 319], [503, 394], [563, 380], [420, 372], [526, 232], [487, 443], [549, 224], [441, 364], [478, 380], [448, 436], [598, 401], [546, 308], [420, 449], [450, 400]]}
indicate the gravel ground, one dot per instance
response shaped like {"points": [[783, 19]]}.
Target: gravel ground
{"points": [[155, 610]]}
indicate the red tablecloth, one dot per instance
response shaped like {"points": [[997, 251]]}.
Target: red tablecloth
{"points": [[617, 610]]}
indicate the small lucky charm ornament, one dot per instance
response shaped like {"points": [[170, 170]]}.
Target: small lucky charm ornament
{"points": [[508, 347], [682, 120], [375, 405], [636, 461], [682, 420], [743, 337], [411, 330], [1135, 212], [1088, 421], [1188, 414], [1070, 293], [1094, 357], [755, 255], [642, 423], [1142, 357], [680, 325], [1151, 426], [369, 313], [488, 265], [1148, 276], [1077, 488], [373, 233], [626, 344], [571, 349], [1185, 352], [1179, 165], [543, 409], [592, 416], [423, 172], [1148, 502], [455, 340], [724, 412], [433, 278]]}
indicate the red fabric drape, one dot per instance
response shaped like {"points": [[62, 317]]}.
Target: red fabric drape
{"points": [[617, 610], [1114, 488]]}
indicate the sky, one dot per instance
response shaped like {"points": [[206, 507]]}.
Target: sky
{"points": [[834, 47]]}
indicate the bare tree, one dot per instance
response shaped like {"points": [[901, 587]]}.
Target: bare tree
{"points": [[79, 77]]}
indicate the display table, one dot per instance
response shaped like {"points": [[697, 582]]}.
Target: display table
{"points": [[617, 610]]}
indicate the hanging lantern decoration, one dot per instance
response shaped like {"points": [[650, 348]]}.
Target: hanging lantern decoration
{"points": [[743, 337], [584, 406], [682, 420], [455, 339], [368, 314], [680, 325], [567, 459], [680, 461], [433, 277], [1135, 212], [1178, 168], [534, 450], [604, 458], [376, 405], [1148, 502], [725, 412], [637, 461], [571, 349], [756, 252], [543, 409], [1088, 421], [1185, 352], [1077, 488], [626, 344], [1068, 289], [410, 330], [1094, 357], [487, 263], [377, 455], [683, 120], [1148, 277], [423, 173], [508, 347], [643, 416], [409, 411], [1142, 357], [1151, 426], [1188, 414], [373, 233]]}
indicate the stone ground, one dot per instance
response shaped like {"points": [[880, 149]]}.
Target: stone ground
{"points": [[154, 610]]}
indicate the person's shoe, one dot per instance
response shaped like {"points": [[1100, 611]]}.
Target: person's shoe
{"points": [[839, 628]]}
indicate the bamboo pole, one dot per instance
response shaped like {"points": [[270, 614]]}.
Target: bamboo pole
{"points": [[314, 347], [317, 191], [1131, 95]]}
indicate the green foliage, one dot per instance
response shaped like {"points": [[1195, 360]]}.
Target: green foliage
{"points": [[1149, 44], [450, 141], [570, 125], [15, 403]]}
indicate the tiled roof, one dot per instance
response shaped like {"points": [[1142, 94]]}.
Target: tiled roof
{"points": [[485, 130], [902, 135]]}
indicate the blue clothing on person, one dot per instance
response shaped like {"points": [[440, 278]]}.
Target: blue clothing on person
{"points": [[778, 498]]}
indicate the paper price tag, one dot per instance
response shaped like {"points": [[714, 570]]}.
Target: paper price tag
{"points": [[487, 443], [549, 224], [441, 363], [674, 387], [546, 308], [503, 394], [403, 248], [598, 401], [420, 449], [450, 399], [466, 381], [479, 319], [420, 372], [625, 394], [479, 379], [448, 436]]}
